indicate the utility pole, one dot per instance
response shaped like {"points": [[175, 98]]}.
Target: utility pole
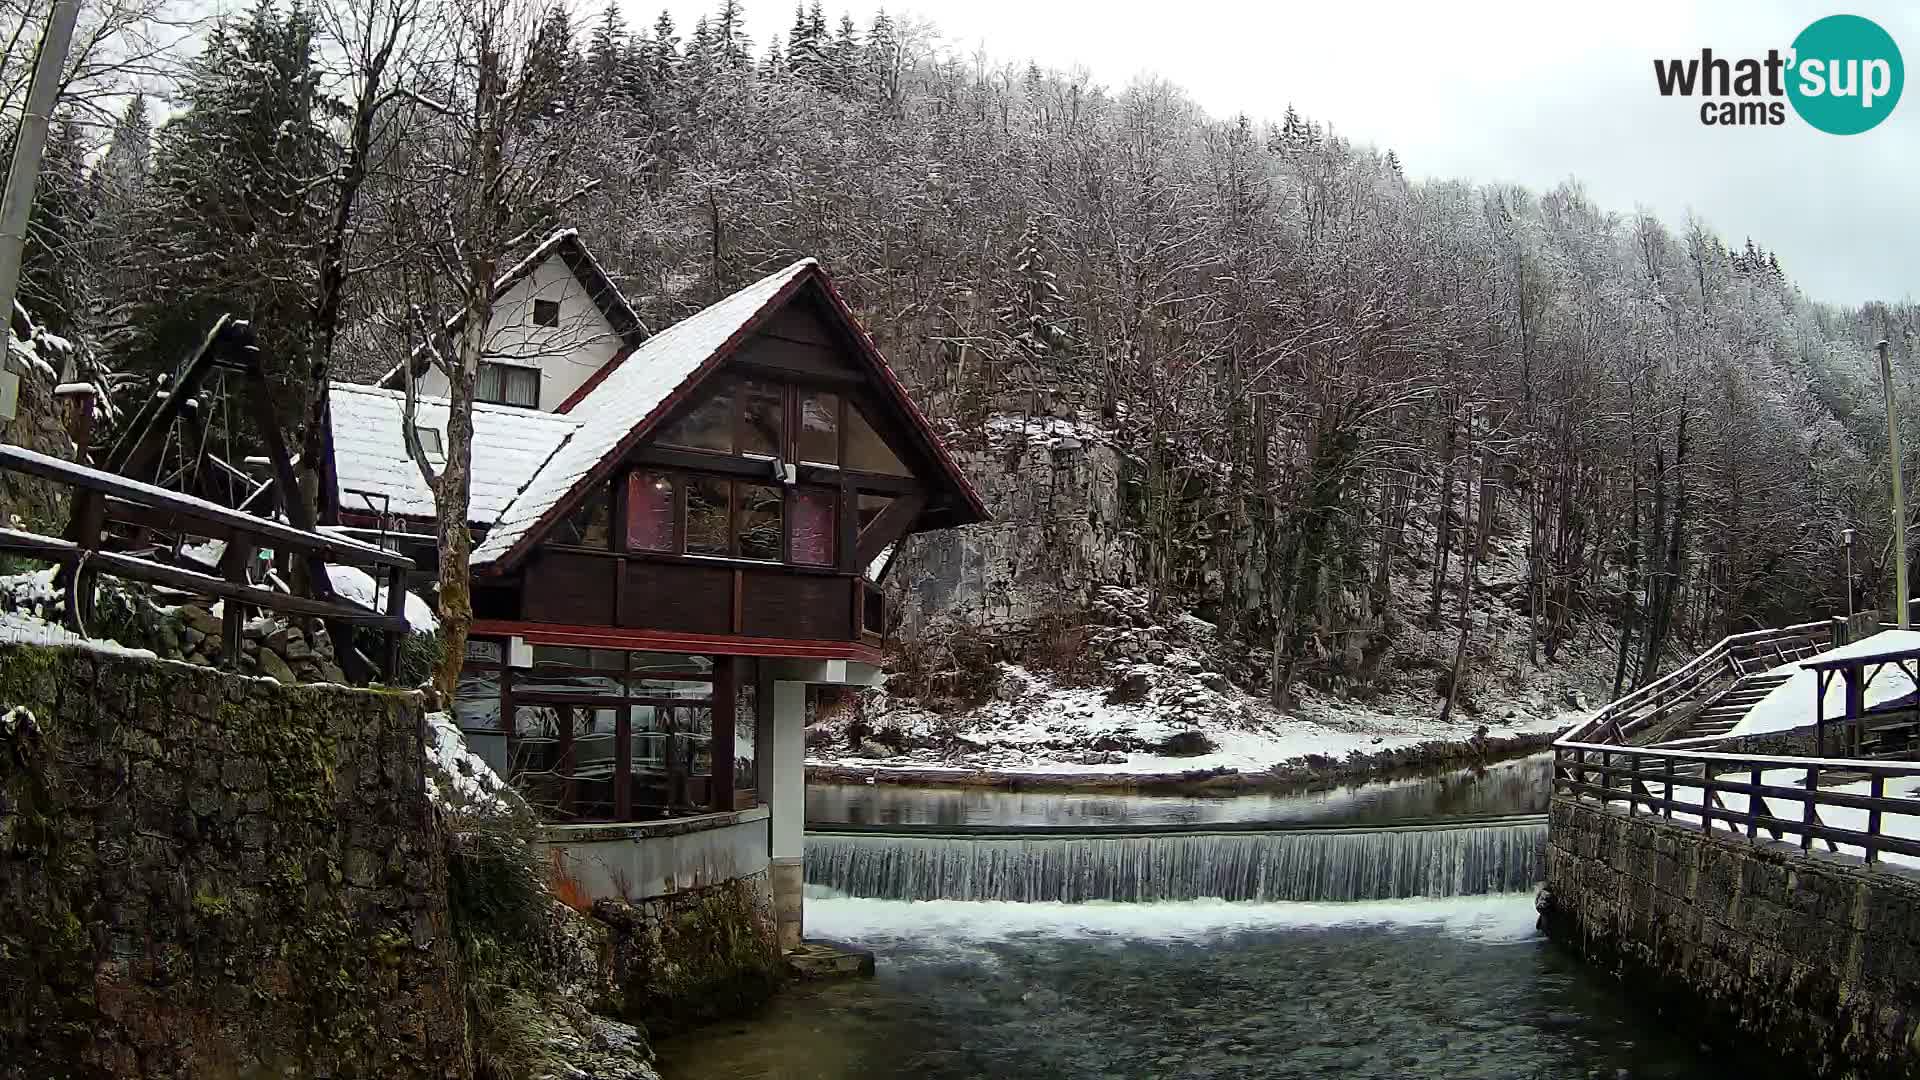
{"points": [[1899, 495], [24, 174]]}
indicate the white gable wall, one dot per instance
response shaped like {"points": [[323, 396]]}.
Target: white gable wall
{"points": [[567, 354]]}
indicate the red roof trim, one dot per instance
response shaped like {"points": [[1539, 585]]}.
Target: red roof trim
{"points": [[595, 379], [613, 637]]}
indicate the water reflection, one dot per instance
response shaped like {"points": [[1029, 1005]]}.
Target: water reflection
{"points": [[1510, 787], [1285, 1000]]}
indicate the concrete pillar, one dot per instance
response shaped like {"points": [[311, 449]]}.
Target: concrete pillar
{"points": [[786, 780]]}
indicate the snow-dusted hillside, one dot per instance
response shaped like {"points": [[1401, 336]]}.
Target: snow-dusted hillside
{"points": [[1036, 726]]}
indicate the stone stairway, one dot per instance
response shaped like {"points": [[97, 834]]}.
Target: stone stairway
{"points": [[1724, 710]]}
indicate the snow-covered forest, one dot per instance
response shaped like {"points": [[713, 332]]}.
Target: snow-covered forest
{"points": [[1340, 398]]}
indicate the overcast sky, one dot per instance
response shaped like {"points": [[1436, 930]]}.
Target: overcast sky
{"points": [[1529, 93]]}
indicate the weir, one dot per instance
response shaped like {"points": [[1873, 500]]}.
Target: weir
{"points": [[1152, 863]]}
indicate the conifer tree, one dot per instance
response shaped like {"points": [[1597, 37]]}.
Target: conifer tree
{"points": [[53, 274], [236, 220], [606, 50]]}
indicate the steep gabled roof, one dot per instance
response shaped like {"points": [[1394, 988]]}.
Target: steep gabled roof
{"points": [[570, 249], [633, 393], [370, 453]]}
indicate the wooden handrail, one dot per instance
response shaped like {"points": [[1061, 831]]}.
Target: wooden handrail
{"points": [[198, 516], [1687, 676], [1646, 770], [100, 497]]}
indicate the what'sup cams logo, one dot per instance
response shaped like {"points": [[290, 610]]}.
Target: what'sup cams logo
{"points": [[1843, 75]]}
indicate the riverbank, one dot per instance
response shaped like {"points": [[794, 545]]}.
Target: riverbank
{"points": [[1304, 773]]}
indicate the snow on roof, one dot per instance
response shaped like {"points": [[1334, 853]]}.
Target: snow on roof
{"points": [[625, 400], [370, 454], [1790, 705]]}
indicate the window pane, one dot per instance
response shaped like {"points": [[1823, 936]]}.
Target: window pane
{"points": [[867, 451], [546, 313], [708, 427], [588, 525], [549, 675], [664, 687], [651, 525], [486, 387], [764, 410], [760, 521], [706, 516], [676, 662], [870, 507], [568, 656], [813, 526], [523, 387], [476, 699], [487, 651], [820, 428]]}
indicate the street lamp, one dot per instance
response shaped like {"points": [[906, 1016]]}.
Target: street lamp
{"points": [[1899, 497]]}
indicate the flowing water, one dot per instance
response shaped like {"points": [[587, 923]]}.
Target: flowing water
{"points": [[1034, 955], [1409, 990], [1377, 863], [1520, 785]]}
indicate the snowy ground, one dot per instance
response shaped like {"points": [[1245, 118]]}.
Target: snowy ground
{"points": [[1037, 727]]}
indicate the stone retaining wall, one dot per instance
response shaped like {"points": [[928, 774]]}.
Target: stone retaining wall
{"points": [[203, 875], [1811, 959]]}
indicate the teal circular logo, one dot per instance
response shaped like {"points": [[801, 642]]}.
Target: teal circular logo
{"points": [[1846, 76]]}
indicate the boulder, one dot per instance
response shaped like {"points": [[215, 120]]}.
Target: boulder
{"points": [[275, 668], [199, 618]]}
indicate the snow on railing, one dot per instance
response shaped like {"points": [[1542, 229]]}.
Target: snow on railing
{"points": [[103, 497]]}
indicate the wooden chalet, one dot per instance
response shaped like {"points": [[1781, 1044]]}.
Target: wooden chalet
{"points": [[672, 544]]}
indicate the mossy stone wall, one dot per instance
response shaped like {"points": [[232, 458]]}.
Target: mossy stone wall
{"points": [[204, 875], [1810, 962], [694, 956]]}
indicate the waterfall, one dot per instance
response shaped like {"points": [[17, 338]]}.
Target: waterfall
{"points": [[1301, 864]]}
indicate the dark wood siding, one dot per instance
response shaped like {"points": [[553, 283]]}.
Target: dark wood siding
{"points": [[799, 321], [796, 606], [563, 587], [677, 596], [802, 359]]}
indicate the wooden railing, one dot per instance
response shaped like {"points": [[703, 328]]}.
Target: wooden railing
{"points": [[1666, 781], [102, 499], [1690, 684]]}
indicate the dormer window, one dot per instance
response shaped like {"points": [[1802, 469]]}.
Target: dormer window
{"points": [[546, 313]]}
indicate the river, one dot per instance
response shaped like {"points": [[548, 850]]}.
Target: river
{"points": [[1201, 988]]}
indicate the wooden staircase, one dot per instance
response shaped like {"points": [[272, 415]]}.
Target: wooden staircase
{"points": [[1723, 711]]}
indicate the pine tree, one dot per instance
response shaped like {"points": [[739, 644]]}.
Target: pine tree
{"points": [[800, 43], [1035, 320], [235, 224], [607, 50], [53, 276], [732, 47], [550, 74], [845, 62], [663, 54]]}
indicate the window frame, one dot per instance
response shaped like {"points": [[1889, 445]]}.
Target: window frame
{"points": [[541, 305], [504, 368]]}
